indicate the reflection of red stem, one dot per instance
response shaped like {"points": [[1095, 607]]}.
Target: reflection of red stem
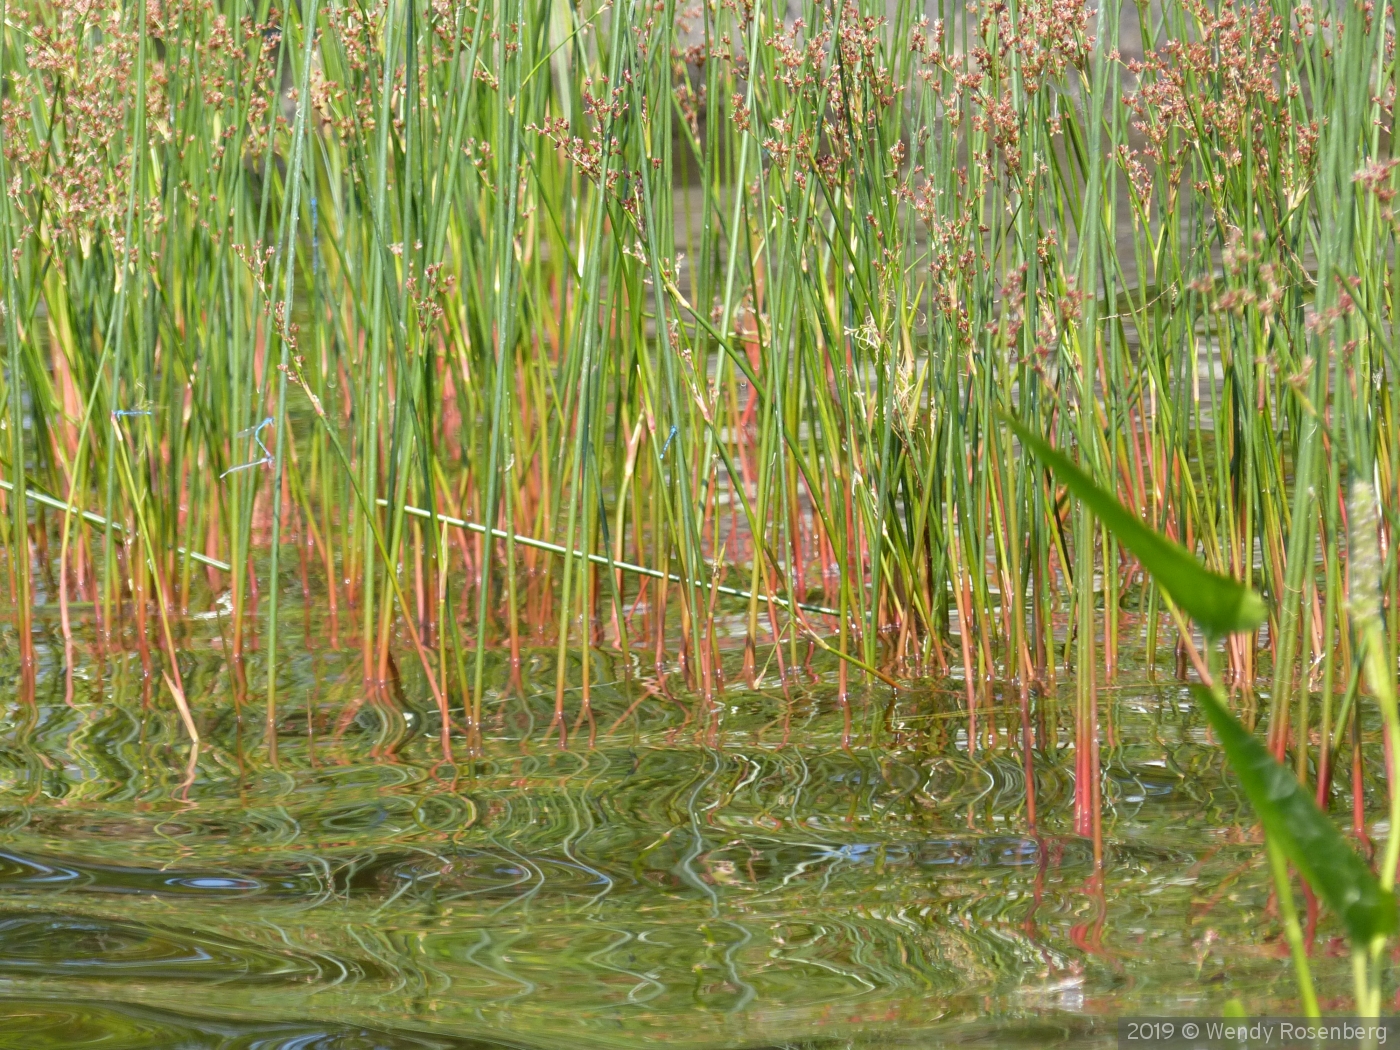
{"points": [[1038, 889], [1088, 935], [1028, 754], [1082, 823]]}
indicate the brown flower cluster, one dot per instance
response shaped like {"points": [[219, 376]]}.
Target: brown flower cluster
{"points": [[1222, 96], [70, 121]]}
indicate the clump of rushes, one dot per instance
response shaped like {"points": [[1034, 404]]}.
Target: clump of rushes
{"points": [[726, 294]]}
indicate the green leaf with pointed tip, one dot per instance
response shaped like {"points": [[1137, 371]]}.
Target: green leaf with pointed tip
{"points": [[1218, 603], [1309, 839]]}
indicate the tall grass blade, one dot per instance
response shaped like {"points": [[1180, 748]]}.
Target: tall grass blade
{"points": [[1307, 837], [1219, 604]]}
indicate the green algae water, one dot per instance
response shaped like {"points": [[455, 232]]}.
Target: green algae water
{"points": [[768, 868]]}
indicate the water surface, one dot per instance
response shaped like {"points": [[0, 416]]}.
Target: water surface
{"points": [[771, 868]]}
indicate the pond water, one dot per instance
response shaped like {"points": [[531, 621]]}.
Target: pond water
{"points": [[770, 869]]}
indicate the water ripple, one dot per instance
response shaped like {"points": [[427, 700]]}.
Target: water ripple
{"points": [[737, 875]]}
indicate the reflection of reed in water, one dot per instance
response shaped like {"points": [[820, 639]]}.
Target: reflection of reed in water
{"points": [[654, 885]]}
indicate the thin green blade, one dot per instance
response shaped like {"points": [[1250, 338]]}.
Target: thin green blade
{"points": [[1309, 839], [1218, 603]]}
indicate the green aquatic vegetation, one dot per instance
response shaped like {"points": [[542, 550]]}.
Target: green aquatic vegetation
{"points": [[525, 347], [1308, 839], [1221, 605], [724, 294], [1295, 828]]}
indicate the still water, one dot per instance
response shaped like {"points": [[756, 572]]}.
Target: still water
{"points": [[770, 869]]}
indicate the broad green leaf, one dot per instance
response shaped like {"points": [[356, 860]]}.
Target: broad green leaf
{"points": [[1218, 603], [1308, 838]]}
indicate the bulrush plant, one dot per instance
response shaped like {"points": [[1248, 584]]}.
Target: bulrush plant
{"points": [[530, 329]]}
